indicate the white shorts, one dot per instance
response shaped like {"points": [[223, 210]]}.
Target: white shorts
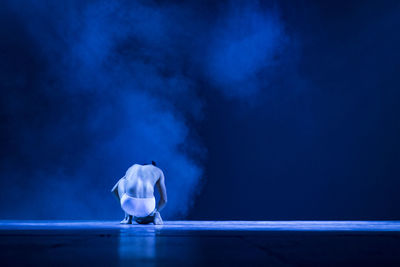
{"points": [[138, 207]]}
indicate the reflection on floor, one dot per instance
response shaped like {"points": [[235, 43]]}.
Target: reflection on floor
{"points": [[277, 243]]}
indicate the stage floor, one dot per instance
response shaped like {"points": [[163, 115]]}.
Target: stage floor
{"points": [[188, 243]]}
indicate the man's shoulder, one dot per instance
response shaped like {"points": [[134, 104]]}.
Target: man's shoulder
{"points": [[158, 170], [133, 166]]}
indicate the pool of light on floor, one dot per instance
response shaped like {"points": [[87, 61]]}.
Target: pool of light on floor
{"points": [[209, 225]]}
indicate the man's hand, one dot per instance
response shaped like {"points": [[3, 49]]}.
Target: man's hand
{"points": [[153, 212], [157, 219]]}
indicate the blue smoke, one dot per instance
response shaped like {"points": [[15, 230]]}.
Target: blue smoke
{"points": [[246, 45], [114, 83]]}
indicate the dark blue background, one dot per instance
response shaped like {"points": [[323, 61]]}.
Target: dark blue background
{"points": [[254, 110]]}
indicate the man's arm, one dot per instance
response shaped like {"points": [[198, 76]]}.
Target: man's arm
{"points": [[163, 192], [115, 190]]}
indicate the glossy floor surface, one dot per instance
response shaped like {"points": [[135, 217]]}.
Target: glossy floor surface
{"points": [[195, 243]]}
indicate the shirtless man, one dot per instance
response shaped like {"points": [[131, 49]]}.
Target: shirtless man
{"points": [[135, 192]]}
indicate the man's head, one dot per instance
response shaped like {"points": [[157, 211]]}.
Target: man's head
{"points": [[153, 163]]}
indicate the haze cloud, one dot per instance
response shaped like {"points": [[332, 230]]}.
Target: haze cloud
{"points": [[246, 45], [98, 86]]}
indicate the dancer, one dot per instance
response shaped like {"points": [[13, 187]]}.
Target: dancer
{"points": [[135, 192]]}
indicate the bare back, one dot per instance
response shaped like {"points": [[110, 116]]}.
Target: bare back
{"points": [[140, 180]]}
